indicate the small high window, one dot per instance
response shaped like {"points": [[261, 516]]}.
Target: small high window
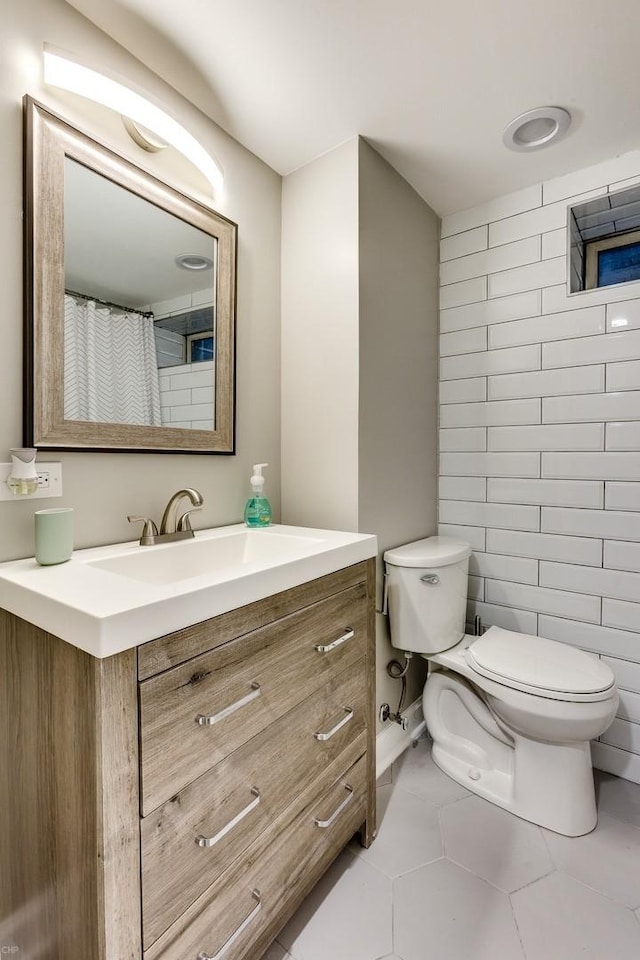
{"points": [[200, 348], [605, 240]]}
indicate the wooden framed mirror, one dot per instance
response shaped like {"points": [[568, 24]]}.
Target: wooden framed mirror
{"points": [[129, 303]]}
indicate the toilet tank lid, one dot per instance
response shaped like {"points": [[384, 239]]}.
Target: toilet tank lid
{"points": [[537, 662], [430, 552]]}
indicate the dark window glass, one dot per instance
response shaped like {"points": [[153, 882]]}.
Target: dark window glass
{"points": [[202, 349], [619, 264]]}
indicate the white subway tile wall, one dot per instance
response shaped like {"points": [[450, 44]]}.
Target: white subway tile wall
{"points": [[623, 376], [471, 241], [186, 395], [463, 391], [622, 555], [554, 326], [629, 707], [623, 316], [485, 312], [554, 243], [463, 488], [540, 433], [490, 414]]}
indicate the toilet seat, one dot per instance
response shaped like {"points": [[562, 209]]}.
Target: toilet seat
{"points": [[539, 666]]}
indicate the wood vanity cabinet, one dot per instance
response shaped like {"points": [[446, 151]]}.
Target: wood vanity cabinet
{"points": [[177, 801]]}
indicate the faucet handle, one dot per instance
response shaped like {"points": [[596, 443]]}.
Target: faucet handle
{"points": [[149, 531], [184, 523]]}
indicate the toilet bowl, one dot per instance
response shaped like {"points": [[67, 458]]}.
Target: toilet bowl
{"points": [[510, 715]]}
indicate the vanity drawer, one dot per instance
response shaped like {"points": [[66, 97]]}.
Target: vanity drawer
{"points": [[195, 715], [175, 648], [245, 909], [232, 804]]}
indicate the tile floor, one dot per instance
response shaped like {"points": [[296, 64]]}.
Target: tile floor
{"points": [[452, 877]]}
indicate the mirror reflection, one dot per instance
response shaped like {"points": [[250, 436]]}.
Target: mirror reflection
{"points": [[139, 327]]}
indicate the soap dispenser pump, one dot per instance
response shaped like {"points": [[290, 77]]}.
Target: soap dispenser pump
{"points": [[257, 512]]}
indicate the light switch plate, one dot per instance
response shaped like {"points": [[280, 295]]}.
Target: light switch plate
{"points": [[49, 482]]}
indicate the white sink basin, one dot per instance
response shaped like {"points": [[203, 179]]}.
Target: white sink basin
{"points": [[108, 599], [230, 555]]}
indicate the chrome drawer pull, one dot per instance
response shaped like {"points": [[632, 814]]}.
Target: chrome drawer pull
{"points": [[327, 736], [211, 841], [325, 647], [327, 823], [217, 717], [234, 936]]}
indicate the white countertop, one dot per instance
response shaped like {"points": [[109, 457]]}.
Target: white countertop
{"points": [[103, 612]]}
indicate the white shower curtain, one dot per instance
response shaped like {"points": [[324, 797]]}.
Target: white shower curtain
{"points": [[110, 368]]}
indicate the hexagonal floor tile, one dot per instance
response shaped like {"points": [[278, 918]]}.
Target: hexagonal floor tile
{"points": [[617, 797], [607, 860], [347, 915], [494, 844], [443, 911], [560, 918], [408, 833], [416, 772]]}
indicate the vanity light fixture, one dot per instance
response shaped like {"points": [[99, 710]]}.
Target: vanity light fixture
{"points": [[537, 128], [62, 71], [144, 137], [194, 261]]}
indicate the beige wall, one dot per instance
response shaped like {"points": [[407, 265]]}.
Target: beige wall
{"points": [[359, 303], [398, 243], [320, 342], [103, 488], [397, 488]]}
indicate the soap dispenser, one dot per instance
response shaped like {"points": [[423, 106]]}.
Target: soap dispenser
{"points": [[257, 512]]}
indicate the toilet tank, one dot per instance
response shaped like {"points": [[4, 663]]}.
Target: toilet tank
{"points": [[426, 584]]}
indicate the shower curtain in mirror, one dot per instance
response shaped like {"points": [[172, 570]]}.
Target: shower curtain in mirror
{"points": [[110, 369]]}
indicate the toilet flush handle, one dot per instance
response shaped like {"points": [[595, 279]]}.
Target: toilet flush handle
{"points": [[432, 578]]}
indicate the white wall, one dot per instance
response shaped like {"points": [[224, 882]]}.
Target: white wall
{"points": [[359, 344], [540, 432], [104, 488]]}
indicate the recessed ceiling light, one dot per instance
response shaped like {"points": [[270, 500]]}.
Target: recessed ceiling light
{"points": [[537, 128], [193, 261]]}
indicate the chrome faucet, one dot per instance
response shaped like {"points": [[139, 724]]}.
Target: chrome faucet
{"points": [[173, 526], [172, 523]]}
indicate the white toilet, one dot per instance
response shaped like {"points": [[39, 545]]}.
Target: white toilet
{"points": [[511, 715]]}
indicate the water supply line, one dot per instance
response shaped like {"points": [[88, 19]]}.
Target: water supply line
{"points": [[394, 667], [398, 672]]}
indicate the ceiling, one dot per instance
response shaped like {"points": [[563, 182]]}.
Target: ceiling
{"points": [[430, 83], [134, 266]]}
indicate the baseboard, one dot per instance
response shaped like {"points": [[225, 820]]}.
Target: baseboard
{"points": [[613, 760], [393, 740]]}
